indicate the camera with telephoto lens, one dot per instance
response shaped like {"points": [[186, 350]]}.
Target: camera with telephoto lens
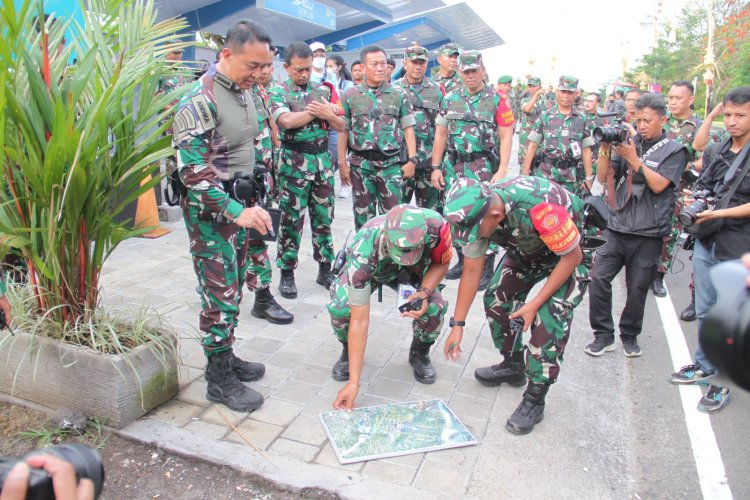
{"points": [[725, 333], [86, 462], [702, 201], [615, 133]]}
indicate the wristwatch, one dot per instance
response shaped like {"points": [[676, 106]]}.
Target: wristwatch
{"points": [[453, 322], [413, 159]]}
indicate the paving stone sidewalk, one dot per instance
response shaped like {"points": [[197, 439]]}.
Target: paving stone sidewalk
{"points": [[298, 386]]}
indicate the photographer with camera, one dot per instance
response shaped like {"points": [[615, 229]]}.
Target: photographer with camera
{"points": [[717, 214], [62, 473], [214, 132], [407, 246], [644, 170]]}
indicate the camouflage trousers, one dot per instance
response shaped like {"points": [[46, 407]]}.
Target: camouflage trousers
{"points": [[426, 329], [523, 136], [511, 284], [568, 177], [220, 260], [669, 243], [306, 184], [480, 169], [421, 185], [374, 188]]}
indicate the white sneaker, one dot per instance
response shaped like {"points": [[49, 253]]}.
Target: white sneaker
{"points": [[345, 192]]}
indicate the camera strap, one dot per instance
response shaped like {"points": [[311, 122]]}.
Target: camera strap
{"points": [[741, 157], [612, 190]]}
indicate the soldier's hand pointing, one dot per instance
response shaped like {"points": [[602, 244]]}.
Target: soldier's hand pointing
{"points": [[346, 396], [255, 217]]}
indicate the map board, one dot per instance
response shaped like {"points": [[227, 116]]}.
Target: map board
{"points": [[391, 430]]}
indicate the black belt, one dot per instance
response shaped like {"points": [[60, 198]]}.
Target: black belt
{"points": [[305, 147], [374, 155], [469, 157], [561, 163]]}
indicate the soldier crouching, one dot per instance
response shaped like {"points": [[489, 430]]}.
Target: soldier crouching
{"points": [[540, 226], [407, 241]]}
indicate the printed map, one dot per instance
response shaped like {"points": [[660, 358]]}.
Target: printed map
{"points": [[395, 429]]}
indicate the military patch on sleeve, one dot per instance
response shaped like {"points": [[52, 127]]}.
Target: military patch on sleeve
{"points": [[443, 252], [504, 116], [555, 227], [193, 119]]}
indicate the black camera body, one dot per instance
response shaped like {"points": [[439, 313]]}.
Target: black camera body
{"points": [[615, 133], [252, 190], [86, 462], [702, 201], [414, 305]]}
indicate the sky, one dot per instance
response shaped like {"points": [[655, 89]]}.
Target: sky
{"points": [[587, 39]]}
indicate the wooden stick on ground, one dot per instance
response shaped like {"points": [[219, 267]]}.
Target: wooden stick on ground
{"points": [[242, 435]]}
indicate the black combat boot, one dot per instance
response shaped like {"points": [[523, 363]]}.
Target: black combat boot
{"points": [[454, 272], [531, 410], [286, 286], [266, 307], [224, 387], [510, 371], [658, 286], [246, 371], [487, 271], [419, 359], [325, 276], [340, 370], [688, 314]]}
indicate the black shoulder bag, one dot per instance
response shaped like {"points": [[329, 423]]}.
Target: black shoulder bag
{"points": [[706, 229]]}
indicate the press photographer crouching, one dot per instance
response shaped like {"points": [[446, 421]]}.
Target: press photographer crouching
{"points": [[642, 175], [717, 215]]}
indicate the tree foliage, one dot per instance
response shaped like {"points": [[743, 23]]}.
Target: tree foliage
{"points": [[679, 54]]}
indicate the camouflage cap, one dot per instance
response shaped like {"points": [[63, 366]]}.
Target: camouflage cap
{"points": [[466, 203], [405, 234], [568, 82], [505, 79], [534, 81], [416, 53], [449, 49], [470, 59]]}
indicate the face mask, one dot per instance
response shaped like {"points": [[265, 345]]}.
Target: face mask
{"points": [[319, 62], [316, 77]]}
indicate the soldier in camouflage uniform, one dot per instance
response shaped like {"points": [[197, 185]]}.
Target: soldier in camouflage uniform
{"points": [[471, 121], [303, 111], [425, 97], [564, 141], [378, 120], [682, 124], [590, 113], [540, 226], [447, 77], [532, 105], [406, 245], [5, 304], [258, 269], [214, 131], [167, 85]]}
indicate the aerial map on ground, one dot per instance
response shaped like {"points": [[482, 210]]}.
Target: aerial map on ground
{"points": [[394, 429]]}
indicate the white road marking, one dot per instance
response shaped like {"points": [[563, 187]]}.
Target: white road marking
{"points": [[708, 462]]}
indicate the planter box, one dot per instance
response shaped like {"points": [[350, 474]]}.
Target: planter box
{"points": [[59, 375]]}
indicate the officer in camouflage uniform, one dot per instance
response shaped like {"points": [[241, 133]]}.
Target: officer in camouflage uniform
{"points": [[447, 76], [258, 269], [5, 304], [378, 120], [214, 131], [471, 121], [303, 112], [532, 105], [407, 244], [167, 85], [540, 226], [590, 113], [425, 97], [564, 139], [682, 124]]}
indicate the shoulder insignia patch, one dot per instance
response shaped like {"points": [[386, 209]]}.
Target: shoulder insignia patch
{"points": [[193, 119]]}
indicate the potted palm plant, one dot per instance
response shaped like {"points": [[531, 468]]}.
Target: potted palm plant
{"points": [[81, 129]]}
